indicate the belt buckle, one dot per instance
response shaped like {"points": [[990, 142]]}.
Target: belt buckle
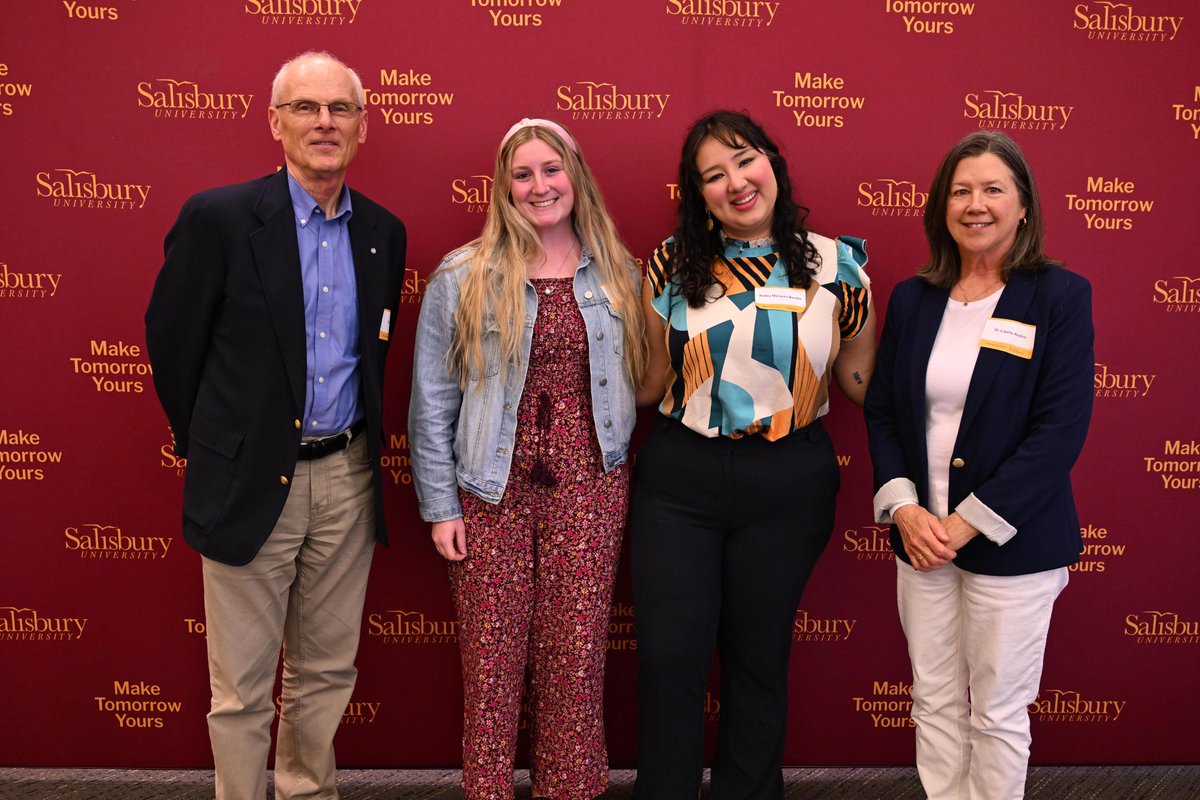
{"points": [[321, 447]]}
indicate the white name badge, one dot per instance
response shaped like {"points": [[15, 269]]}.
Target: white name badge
{"points": [[385, 324], [781, 298], [1008, 336]]}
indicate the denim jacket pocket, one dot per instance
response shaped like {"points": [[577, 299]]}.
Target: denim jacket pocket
{"points": [[491, 349], [616, 327]]}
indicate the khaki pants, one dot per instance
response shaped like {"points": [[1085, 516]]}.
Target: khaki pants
{"points": [[304, 590]]}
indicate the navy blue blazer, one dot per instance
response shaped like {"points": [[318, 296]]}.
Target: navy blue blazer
{"points": [[1023, 423], [225, 333]]}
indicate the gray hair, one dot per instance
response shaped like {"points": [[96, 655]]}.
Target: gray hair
{"points": [[310, 55]]}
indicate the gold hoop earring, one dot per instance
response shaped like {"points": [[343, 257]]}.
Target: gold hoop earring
{"points": [[1023, 221]]}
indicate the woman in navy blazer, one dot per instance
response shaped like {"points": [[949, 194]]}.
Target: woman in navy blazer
{"points": [[977, 411]]}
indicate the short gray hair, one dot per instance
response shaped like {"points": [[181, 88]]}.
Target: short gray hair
{"points": [[310, 55]]}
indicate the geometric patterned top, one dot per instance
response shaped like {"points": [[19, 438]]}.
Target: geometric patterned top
{"points": [[755, 358]]}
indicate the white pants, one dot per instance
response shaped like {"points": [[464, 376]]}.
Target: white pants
{"points": [[304, 589], [976, 643]]}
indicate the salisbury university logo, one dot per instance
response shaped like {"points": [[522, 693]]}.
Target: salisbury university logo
{"points": [[180, 99], [1121, 22], [995, 108], [891, 197], [603, 100], [304, 12], [724, 13], [81, 188]]}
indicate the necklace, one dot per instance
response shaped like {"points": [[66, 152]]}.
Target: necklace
{"points": [[748, 244], [544, 273], [968, 300]]}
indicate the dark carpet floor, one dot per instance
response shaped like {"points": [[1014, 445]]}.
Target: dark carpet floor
{"points": [[846, 783]]}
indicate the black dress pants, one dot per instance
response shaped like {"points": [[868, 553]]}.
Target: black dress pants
{"points": [[725, 534]]}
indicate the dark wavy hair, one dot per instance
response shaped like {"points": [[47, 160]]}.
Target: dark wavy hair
{"points": [[1026, 254], [696, 248]]}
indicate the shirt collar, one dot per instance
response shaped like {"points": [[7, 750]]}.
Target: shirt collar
{"points": [[305, 206]]}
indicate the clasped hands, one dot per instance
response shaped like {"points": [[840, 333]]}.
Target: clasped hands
{"points": [[930, 542]]}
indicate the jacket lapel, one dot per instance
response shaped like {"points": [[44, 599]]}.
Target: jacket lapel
{"points": [[368, 275], [277, 258], [1013, 304], [929, 319]]}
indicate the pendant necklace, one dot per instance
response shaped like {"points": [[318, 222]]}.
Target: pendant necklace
{"points": [[557, 269], [968, 300]]}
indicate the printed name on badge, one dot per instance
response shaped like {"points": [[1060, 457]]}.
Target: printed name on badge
{"points": [[781, 298], [1008, 336]]}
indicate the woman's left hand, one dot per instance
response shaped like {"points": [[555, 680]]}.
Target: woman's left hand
{"points": [[925, 542]]}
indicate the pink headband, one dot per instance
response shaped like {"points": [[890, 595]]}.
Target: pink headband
{"points": [[541, 123]]}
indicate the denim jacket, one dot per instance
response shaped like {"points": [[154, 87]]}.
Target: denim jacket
{"points": [[464, 437]]}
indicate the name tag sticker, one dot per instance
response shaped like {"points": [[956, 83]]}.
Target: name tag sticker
{"points": [[781, 298], [1009, 336], [385, 324]]}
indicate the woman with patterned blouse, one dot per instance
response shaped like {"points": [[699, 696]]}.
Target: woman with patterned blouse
{"points": [[747, 316]]}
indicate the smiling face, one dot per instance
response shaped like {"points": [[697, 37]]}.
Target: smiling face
{"points": [[739, 188], [540, 188], [984, 209], [318, 149]]}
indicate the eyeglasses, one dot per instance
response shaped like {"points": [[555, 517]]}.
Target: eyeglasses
{"points": [[311, 108]]}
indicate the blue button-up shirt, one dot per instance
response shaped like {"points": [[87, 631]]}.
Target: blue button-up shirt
{"points": [[330, 314]]}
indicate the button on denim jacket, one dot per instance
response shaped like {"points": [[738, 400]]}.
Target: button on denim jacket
{"points": [[464, 437]]}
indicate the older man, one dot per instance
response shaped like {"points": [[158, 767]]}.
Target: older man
{"points": [[267, 331]]}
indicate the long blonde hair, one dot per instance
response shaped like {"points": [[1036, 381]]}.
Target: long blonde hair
{"points": [[495, 276]]}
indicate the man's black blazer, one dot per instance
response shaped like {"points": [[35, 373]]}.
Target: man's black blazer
{"points": [[226, 339]]}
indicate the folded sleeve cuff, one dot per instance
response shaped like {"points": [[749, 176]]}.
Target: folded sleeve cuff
{"points": [[440, 509], [984, 520], [893, 494]]}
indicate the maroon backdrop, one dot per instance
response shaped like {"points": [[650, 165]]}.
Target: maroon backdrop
{"points": [[114, 111]]}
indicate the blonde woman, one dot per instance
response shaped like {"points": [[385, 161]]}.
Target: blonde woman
{"points": [[528, 349]]}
